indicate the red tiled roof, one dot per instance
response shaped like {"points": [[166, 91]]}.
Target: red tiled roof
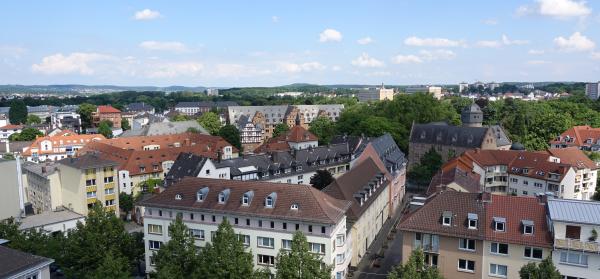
{"points": [[107, 109], [465, 178], [62, 139], [11, 127], [298, 134], [574, 157], [313, 205], [578, 135], [281, 143]]}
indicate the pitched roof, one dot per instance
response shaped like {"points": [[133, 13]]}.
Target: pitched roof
{"points": [[574, 211], [352, 183], [107, 109], [577, 136], [444, 134], [516, 210], [87, 161], [186, 164], [11, 127], [299, 134], [313, 205], [296, 134], [14, 261], [139, 107], [465, 178], [48, 218], [574, 157], [63, 139]]}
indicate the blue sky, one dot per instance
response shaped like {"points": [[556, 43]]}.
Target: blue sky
{"points": [[266, 43]]}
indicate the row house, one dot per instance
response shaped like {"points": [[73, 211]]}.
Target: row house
{"points": [[477, 235], [582, 137], [59, 146], [264, 215]]}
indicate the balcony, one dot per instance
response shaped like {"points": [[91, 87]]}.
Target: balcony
{"points": [[111, 207], [109, 185], [91, 200], [91, 175], [92, 188], [109, 197], [577, 245]]}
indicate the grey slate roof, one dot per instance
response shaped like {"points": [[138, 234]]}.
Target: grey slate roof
{"points": [[139, 107], [87, 161], [186, 164], [501, 137], [444, 134], [14, 261], [389, 152], [220, 104], [48, 218], [165, 128], [574, 211]]}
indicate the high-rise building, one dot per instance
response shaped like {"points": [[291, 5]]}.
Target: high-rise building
{"points": [[375, 94], [463, 86], [592, 89]]}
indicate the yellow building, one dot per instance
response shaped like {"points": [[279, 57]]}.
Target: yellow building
{"points": [[88, 179]]}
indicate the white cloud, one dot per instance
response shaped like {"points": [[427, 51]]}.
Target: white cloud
{"points": [[336, 68], [330, 35], [406, 59], [507, 41], [537, 62], [575, 42], [432, 42], [490, 21], [439, 54], [164, 46], [275, 19], [303, 67], [488, 44], [364, 41], [74, 63], [596, 55], [364, 60], [561, 9], [146, 14], [536, 51], [173, 69]]}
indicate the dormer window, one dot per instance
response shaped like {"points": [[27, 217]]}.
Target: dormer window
{"points": [[294, 206], [270, 200], [247, 198], [201, 194], [527, 226], [178, 197], [472, 221], [223, 196], [447, 218], [500, 224]]}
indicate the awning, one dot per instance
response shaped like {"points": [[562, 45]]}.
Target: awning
{"points": [[499, 219], [447, 214], [527, 222], [472, 216]]}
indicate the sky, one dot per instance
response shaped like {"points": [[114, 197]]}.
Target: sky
{"points": [[268, 43]]}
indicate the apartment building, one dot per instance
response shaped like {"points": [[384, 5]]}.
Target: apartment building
{"points": [[66, 120], [195, 108], [477, 235], [43, 186], [586, 171], [251, 134], [367, 187], [375, 94], [292, 167], [296, 138], [106, 113], [140, 108], [7, 130], [265, 215], [592, 90], [574, 225], [583, 137], [145, 157], [88, 179], [62, 145], [436, 91], [13, 196]]}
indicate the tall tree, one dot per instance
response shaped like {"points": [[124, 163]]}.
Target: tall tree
{"points": [[85, 110], [113, 266], [125, 125], [300, 262], [211, 122], [104, 128], [231, 134], [429, 165], [33, 119], [323, 128], [26, 134], [178, 258], [544, 270], [17, 114], [321, 179], [415, 268], [125, 202], [280, 129], [225, 256]]}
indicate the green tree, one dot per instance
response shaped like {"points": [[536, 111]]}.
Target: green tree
{"points": [[280, 129], [17, 114], [125, 125], [178, 257], [180, 117], [113, 266], [8, 156], [33, 119], [211, 122], [104, 128], [544, 270], [226, 256], [26, 134], [300, 262], [85, 110], [422, 173], [125, 202], [321, 179], [415, 268], [231, 134], [323, 128]]}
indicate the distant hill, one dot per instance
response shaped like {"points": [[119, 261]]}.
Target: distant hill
{"points": [[89, 89]]}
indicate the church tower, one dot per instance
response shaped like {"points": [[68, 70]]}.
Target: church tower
{"points": [[472, 116]]}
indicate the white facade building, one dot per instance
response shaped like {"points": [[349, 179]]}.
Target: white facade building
{"points": [[592, 90], [375, 94]]}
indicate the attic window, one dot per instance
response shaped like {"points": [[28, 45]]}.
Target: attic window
{"points": [[472, 221], [499, 224], [447, 218], [270, 200], [223, 196], [527, 226], [247, 198], [178, 197], [294, 206], [201, 194]]}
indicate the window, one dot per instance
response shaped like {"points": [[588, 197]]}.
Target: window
{"points": [[260, 223], [498, 270], [499, 248], [236, 220], [154, 245], [533, 253], [309, 228], [573, 258], [317, 248], [472, 221], [197, 234], [247, 222], [272, 225], [466, 244], [297, 226], [245, 239], [499, 224], [466, 265], [339, 259], [447, 218], [178, 197], [286, 244], [323, 229], [340, 239], [90, 182], [245, 200], [214, 218], [266, 242], [269, 202], [266, 260], [284, 225], [294, 206], [154, 229], [528, 229], [573, 232]]}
